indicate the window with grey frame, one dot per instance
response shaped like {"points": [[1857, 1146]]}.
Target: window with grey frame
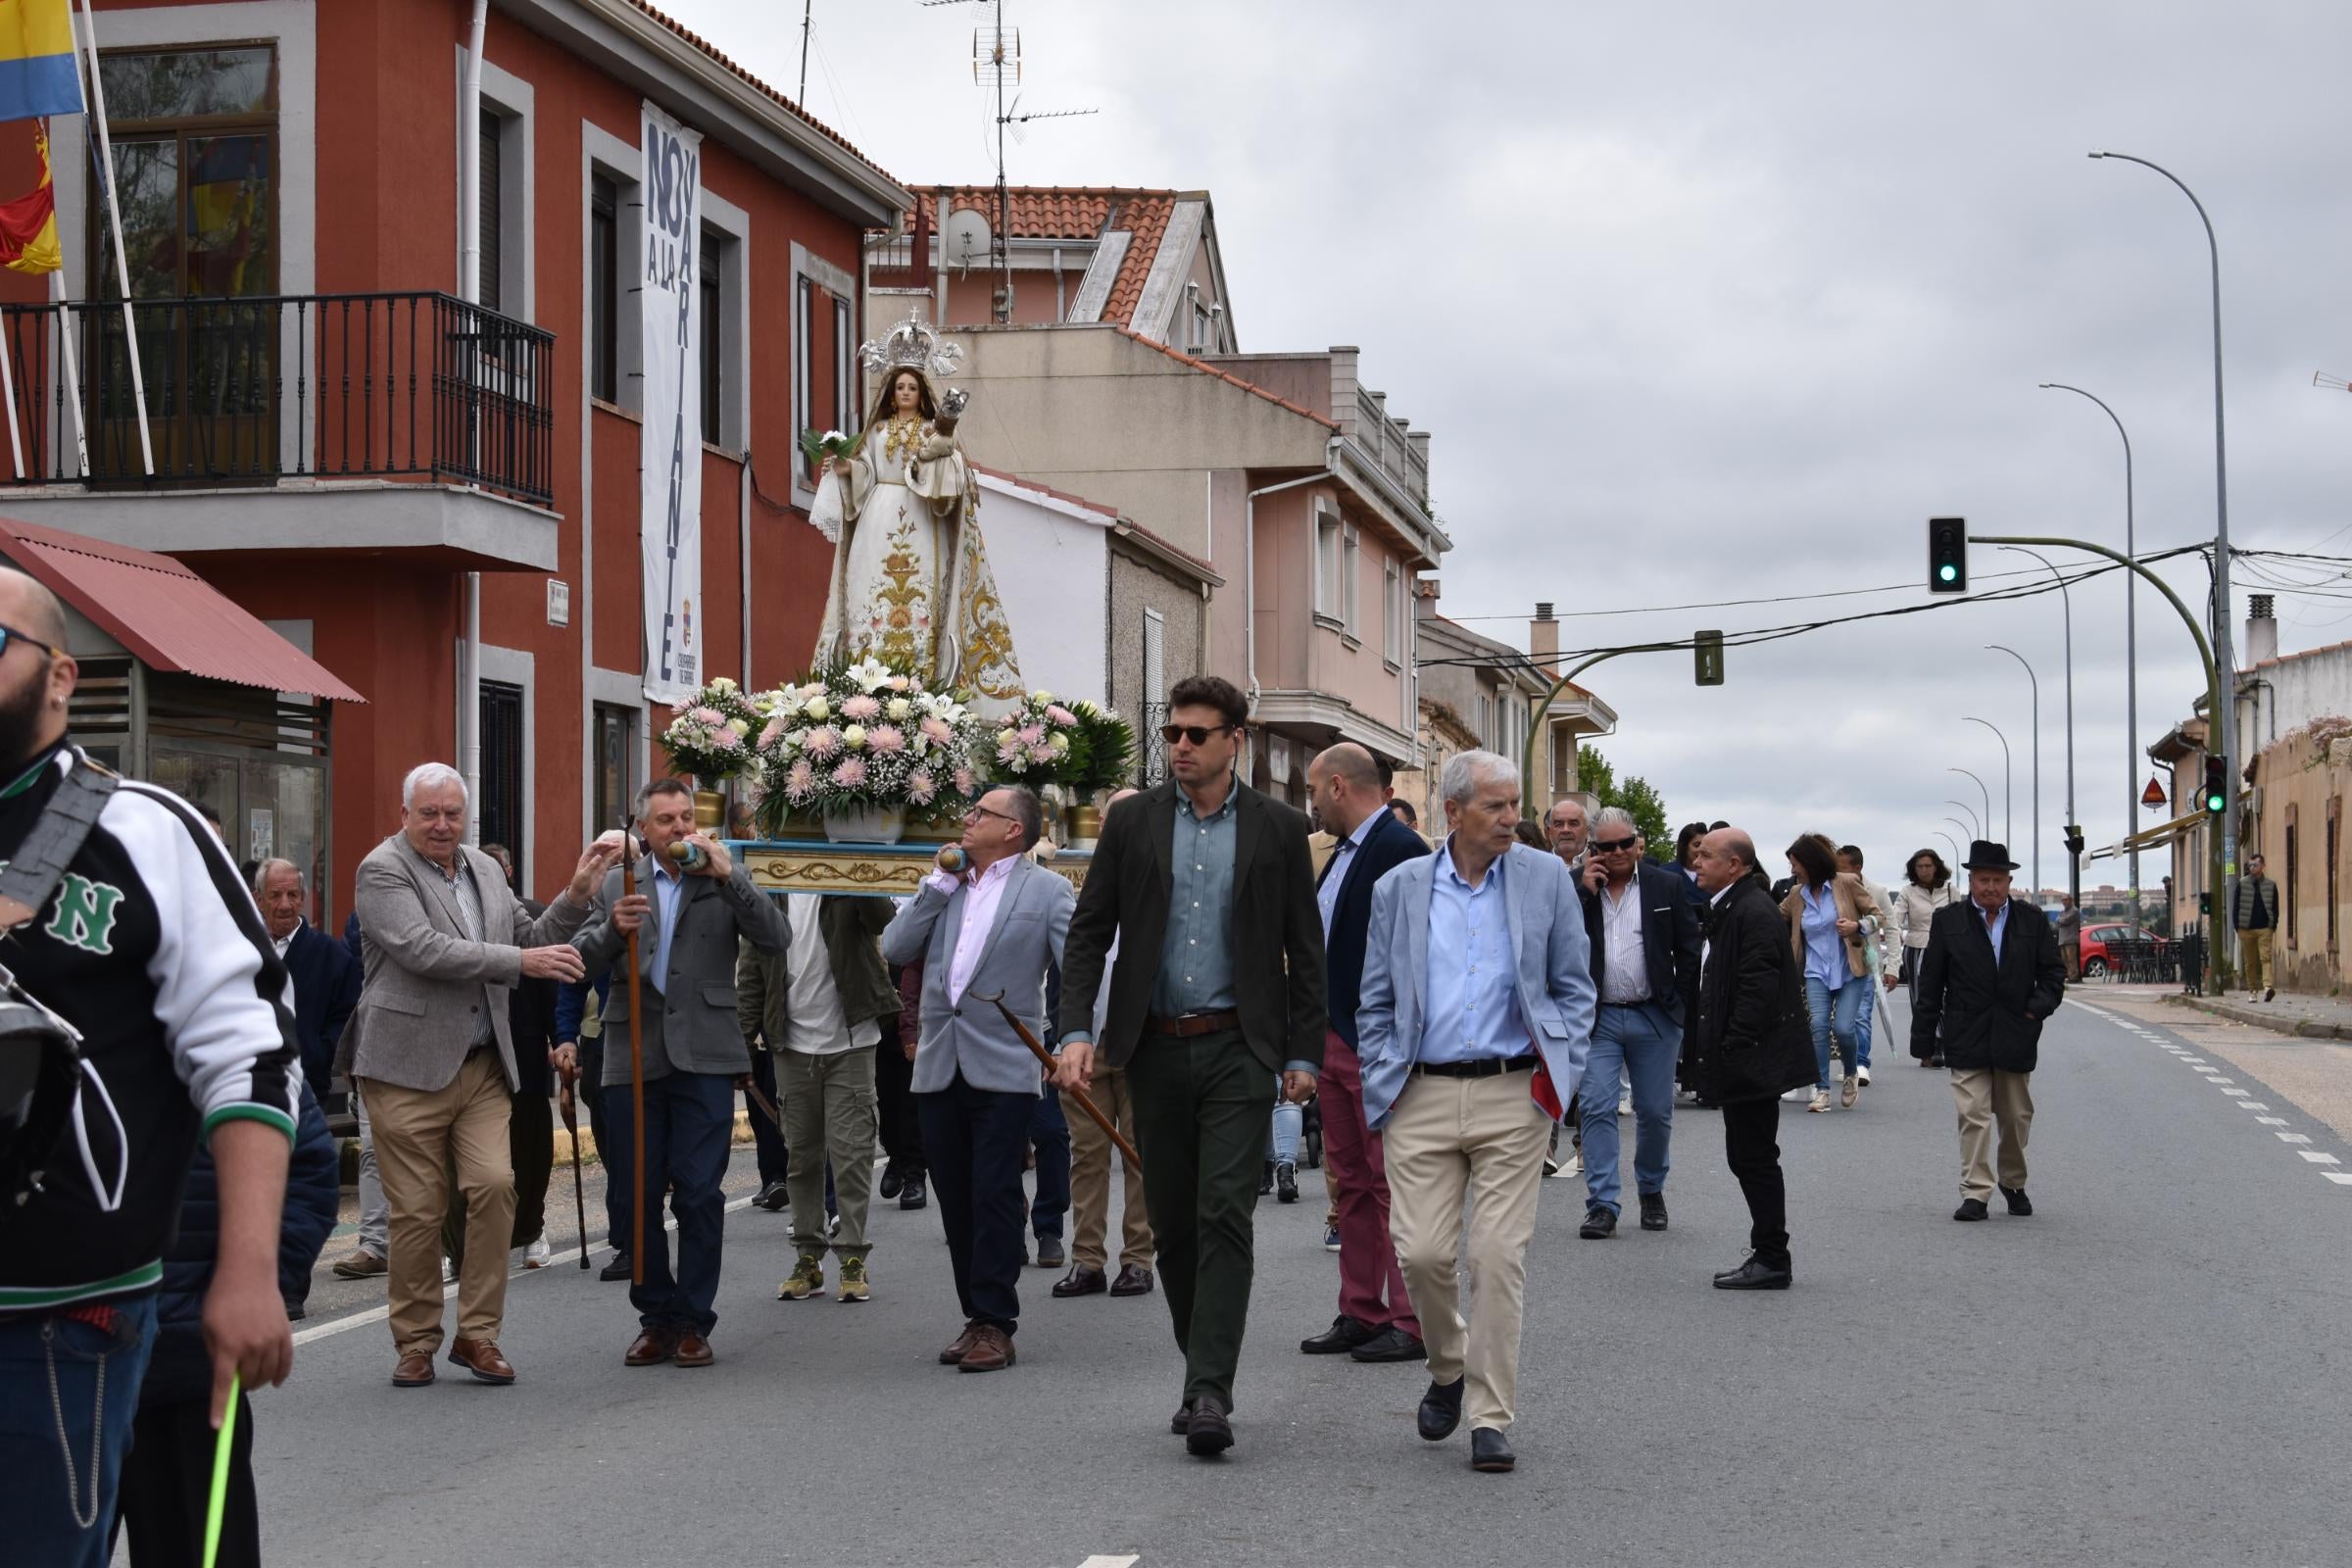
{"points": [[713, 345], [603, 288], [499, 814]]}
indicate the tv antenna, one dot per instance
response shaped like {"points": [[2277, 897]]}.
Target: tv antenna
{"points": [[996, 64], [2333, 383]]}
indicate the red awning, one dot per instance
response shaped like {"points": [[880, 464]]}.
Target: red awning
{"points": [[164, 613]]}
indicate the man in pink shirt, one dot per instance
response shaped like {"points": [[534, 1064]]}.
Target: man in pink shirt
{"points": [[992, 931]]}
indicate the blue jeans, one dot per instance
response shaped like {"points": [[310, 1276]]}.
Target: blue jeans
{"points": [[1835, 1014], [1049, 1136], [1639, 1043], [689, 1120], [1862, 1030], [52, 1488], [1289, 1121]]}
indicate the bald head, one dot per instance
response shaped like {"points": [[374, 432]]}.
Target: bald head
{"points": [[31, 609], [35, 684], [1344, 784], [1722, 859]]}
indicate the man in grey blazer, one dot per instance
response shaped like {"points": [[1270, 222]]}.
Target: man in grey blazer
{"points": [[1472, 1031], [992, 931], [447, 938], [688, 925]]}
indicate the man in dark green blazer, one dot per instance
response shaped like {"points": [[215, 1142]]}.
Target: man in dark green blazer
{"points": [[1217, 992]]}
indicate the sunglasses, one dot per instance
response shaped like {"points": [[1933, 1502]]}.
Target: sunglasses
{"points": [[1197, 734], [10, 634], [1611, 845]]}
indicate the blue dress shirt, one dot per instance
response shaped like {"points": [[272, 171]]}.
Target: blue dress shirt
{"points": [[1825, 949], [1473, 999], [670, 889], [1196, 957], [1996, 927]]}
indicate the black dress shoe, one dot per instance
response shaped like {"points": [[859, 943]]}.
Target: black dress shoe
{"points": [[1285, 1182], [1181, 1423], [2018, 1204], [1081, 1280], [1755, 1275], [1134, 1280], [1440, 1410], [1653, 1211], [893, 1180], [1391, 1344], [1265, 1182], [912, 1196], [619, 1269], [1208, 1433], [1971, 1208], [1490, 1451], [1600, 1222], [1344, 1334], [773, 1196]]}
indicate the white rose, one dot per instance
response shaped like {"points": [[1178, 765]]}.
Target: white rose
{"points": [[854, 737], [1060, 741], [900, 708], [722, 684], [819, 710], [1004, 737], [741, 727], [1041, 698]]}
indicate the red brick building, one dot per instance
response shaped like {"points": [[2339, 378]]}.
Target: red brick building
{"points": [[340, 440]]}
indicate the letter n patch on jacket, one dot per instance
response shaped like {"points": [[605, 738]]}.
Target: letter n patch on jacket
{"points": [[86, 913]]}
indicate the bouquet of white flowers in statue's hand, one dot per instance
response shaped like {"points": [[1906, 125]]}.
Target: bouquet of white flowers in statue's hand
{"points": [[821, 449]]}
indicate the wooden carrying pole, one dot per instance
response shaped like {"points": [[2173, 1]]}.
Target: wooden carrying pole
{"points": [[1085, 1101], [567, 1101], [629, 885]]}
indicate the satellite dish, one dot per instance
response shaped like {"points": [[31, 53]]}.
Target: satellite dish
{"points": [[966, 239]]}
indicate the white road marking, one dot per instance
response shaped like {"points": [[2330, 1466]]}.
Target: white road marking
{"points": [[2342, 1178], [2291, 1138], [2194, 1062], [1101, 1561], [2252, 1104], [377, 1314], [2234, 1090], [2272, 1121], [2218, 1081], [2319, 1159]]}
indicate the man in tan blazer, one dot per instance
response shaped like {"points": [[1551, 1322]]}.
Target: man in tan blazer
{"points": [[447, 938]]}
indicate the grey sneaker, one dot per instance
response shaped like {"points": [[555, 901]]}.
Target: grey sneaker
{"points": [[1850, 1092]]}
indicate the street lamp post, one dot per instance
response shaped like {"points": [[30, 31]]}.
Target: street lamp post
{"points": [[1974, 836], [1957, 853], [2008, 783], [2074, 874], [1996, 648], [2130, 668], [1975, 830], [1982, 789], [2224, 862]]}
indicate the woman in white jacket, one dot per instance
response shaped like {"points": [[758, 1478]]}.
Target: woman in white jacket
{"points": [[1926, 887]]}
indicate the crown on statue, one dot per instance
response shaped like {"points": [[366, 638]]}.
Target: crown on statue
{"points": [[912, 345]]}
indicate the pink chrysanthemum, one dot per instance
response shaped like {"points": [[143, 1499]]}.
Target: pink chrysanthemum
{"points": [[965, 781], [823, 741], [1011, 753], [850, 774], [773, 733], [1031, 734], [886, 738], [939, 730], [1041, 753], [710, 716], [861, 709], [1060, 714], [800, 783], [919, 787]]}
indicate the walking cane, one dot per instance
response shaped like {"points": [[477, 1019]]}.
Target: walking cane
{"points": [[629, 885], [1085, 1103], [571, 1125]]}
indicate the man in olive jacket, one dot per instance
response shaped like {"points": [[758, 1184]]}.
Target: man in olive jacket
{"points": [[1754, 1038], [1992, 974]]}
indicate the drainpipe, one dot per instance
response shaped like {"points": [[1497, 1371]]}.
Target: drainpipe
{"points": [[469, 289], [1330, 452]]}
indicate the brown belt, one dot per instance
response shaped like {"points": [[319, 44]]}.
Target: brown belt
{"points": [[1195, 1023]]}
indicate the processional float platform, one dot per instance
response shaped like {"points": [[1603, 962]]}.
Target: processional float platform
{"points": [[873, 870]]}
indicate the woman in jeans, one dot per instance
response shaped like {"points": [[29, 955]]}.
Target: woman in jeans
{"points": [[1926, 887], [1826, 909]]}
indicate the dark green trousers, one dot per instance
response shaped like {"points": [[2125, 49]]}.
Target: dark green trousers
{"points": [[1201, 1110]]}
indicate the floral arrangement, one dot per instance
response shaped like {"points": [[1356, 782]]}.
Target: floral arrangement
{"points": [[861, 736], [1076, 745], [710, 736], [822, 447]]}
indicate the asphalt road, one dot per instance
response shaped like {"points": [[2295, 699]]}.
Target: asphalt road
{"points": [[2150, 1370]]}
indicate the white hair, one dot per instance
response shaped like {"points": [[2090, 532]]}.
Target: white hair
{"points": [[430, 775], [1466, 770], [1617, 817], [260, 874]]}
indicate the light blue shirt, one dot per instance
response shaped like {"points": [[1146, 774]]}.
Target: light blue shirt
{"points": [[1335, 874], [1995, 928], [1196, 957], [670, 890], [1473, 1001], [1825, 949]]}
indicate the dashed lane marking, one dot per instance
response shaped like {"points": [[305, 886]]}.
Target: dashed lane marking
{"points": [[2342, 1178], [2241, 1098], [2292, 1138], [2319, 1159]]}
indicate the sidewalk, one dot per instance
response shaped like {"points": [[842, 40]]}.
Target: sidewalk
{"points": [[2312, 1017]]}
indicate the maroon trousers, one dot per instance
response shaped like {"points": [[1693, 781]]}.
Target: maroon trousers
{"points": [[1359, 1181]]}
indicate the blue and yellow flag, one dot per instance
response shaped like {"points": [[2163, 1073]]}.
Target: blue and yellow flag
{"points": [[38, 75]]}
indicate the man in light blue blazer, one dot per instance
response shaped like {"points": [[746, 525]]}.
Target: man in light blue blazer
{"points": [[993, 930], [1472, 1029]]}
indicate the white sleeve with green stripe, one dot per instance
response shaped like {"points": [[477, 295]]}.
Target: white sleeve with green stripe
{"points": [[220, 992]]}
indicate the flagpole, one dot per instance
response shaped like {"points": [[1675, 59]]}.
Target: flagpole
{"points": [[64, 347], [106, 150], [8, 389]]}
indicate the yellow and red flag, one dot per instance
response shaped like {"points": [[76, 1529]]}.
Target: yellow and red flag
{"points": [[38, 72], [29, 226]]}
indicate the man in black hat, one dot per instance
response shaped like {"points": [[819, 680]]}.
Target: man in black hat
{"points": [[1991, 976]]}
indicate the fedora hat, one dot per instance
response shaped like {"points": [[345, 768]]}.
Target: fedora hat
{"points": [[1986, 856]]}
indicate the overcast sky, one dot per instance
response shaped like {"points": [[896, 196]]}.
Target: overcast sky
{"points": [[1708, 301]]}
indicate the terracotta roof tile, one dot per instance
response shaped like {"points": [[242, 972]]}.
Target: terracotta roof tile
{"points": [[706, 47], [1075, 213], [1252, 387]]}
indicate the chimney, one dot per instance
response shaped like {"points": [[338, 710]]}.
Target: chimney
{"points": [[1425, 597], [2262, 631], [1544, 639]]}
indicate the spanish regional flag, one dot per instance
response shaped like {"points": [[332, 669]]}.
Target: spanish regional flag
{"points": [[29, 226], [38, 72]]}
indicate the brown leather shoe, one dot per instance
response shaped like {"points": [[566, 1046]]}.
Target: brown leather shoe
{"points": [[991, 1351], [360, 1264], [1081, 1280], [1134, 1280], [482, 1358], [414, 1371], [955, 1353], [650, 1347], [694, 1349]]}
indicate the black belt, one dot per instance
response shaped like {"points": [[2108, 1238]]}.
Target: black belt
{"points": [[1479, 1067], [1195, 1023], [1645, 1002]]}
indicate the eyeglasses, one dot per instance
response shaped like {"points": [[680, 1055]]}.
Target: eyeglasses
{"points": [[1197, 734], [977, 811], [1612, 845], [10, 634]]}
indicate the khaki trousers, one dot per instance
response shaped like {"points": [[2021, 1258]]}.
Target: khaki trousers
{"points": [[421, 1135], [2254, 958], [1090, 1175], [1984, 1097], [1483, 1137], [829, 1117]]}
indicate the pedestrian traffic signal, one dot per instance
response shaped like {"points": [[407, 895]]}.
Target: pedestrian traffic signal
{"points": [[1947, 554], [2216, 787], [1707, 649], [2073, 839]]}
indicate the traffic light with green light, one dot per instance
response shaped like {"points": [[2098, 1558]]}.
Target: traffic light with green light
{"points": [[2216, 787], [1947, 554]]}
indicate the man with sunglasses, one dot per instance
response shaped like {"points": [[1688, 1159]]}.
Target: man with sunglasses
{"points": [[1645, 933], [1209, 889]]}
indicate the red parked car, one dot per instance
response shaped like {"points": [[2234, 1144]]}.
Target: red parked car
{"points": [[2099, 959]]}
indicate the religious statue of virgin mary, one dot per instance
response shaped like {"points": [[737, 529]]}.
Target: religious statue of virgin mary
{"points": [[910, 580]]}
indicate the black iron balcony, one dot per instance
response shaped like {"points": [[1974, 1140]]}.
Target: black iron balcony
{"points": [[255, 389]]}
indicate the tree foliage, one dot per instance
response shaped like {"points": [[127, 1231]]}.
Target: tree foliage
{"points": [[1647, 805]]}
